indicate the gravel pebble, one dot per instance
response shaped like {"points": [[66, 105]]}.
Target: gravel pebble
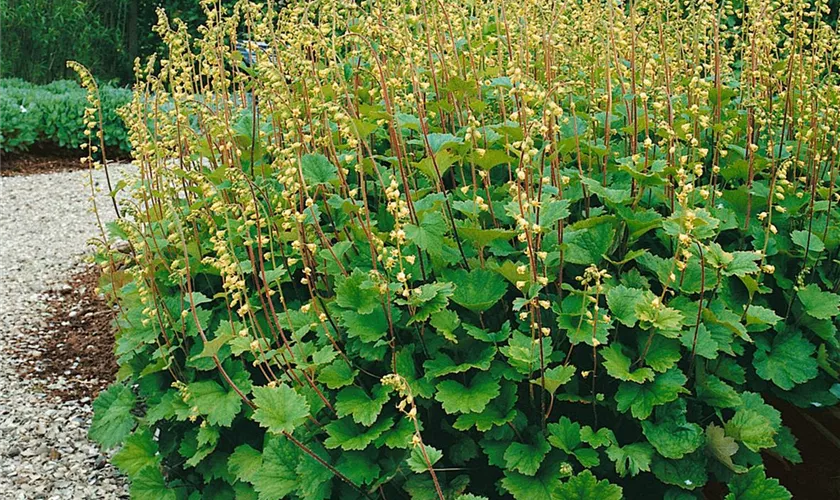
{"points": [[45, 225]]}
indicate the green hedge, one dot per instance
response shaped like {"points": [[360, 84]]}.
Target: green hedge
{"points": [[54, 114]]}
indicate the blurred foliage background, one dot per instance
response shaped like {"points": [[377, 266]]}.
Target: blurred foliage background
{"points": [[39, 36]]}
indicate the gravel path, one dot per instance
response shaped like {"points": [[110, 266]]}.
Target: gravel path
{"points": [[45, 223]]}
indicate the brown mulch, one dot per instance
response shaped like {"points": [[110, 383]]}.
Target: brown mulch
{"points": [[76, 357], [817, 431], [39, 160]]}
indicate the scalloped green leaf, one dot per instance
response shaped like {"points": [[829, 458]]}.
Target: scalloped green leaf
{"points": [[818, 303], [456, 397], [149, 484], [317, 169], [585, 486], [633, 458], [622, 301], [618, 366], [722, 447], [357, 293], [364, 409], [477, 290], [279, 409], [348, 435], [138, 452], [787, 362], [208, 398], [112, 418], [671, 435], [640, 399], [526, 458], [755, 485]]}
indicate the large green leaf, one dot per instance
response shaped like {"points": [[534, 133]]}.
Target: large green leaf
{"points": [[347, 435], [357, 293], [499, 411], [633, 458], [314, 480], [112, 418], [443, 160], [417, 461], [555, 377], [742, 263], [819, 304], [622, 301], [754, 485], [789, 361], [364, 409], [671, 435], [427, 300], [751, 428], [640, 399], [442, 364], [244, 462], [688, 472], [663, 353], [564, 434], [456, 397], [477, 290], [588, 245], [359, 466], [722, 447], [276, 477], [526, 458], [700, 341], [367, 327], [585, 486], [523, 353], [279, 409], [149, 484], [490, 158], [541, 486], [208, 398], [618, 366], [483, 237], [317, 169], [337, 374], [808, 241], [138, 452]]}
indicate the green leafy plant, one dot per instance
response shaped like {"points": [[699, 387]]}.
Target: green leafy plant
{"points": [[476, 250], [54, 114]]}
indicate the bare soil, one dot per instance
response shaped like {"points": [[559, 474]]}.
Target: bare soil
{"points": [[42, 158], [38, 160], [78, 340]]}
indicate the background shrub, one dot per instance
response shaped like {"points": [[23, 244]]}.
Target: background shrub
{"points": [[19, 122], [107, 35], [54, 114], [40, 36], [507, 249]]}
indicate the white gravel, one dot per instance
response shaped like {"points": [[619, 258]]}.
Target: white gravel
{"points": [[45, 225]]}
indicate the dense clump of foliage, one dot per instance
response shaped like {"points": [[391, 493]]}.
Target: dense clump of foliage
{"points": [[54, 114], [477, 249]]}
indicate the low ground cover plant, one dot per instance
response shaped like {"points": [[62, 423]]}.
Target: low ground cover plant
{"points": [[539, 250], [53, 115]]}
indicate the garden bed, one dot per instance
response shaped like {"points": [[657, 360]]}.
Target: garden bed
{"points": [[44, 158], [817, 431], [76, 358], [39, 160]]}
